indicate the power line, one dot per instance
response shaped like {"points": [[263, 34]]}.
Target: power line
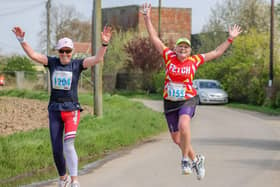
{"points": [[20, 1], [14, 5], [21, 9]]}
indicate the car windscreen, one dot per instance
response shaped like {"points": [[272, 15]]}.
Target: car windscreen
{"points": [[208, 84]]}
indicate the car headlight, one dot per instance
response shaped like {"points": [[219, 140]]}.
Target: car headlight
{"points": [[203, 94], [224, 95]]}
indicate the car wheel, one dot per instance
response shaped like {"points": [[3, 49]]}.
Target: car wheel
{"points": [[198, 101], [226, 101]]}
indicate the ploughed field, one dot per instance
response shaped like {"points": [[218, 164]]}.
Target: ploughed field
{"points": [[17, 114]]}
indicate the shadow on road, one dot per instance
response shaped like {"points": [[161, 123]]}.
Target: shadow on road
{"points": [[252, 146], [271, 145], [260, 163]]}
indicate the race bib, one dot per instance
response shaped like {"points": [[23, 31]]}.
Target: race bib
{"points": [[176, 91], [62, 80]]}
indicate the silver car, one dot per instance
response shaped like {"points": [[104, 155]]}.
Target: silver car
{"points": [[210, 92]]}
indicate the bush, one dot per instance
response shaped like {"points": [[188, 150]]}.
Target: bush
{"points": [[256, 92], [19, 63], [158, 81], [277, 99], [116, 56], [144, 56], [268, 102], [243, 70], [145, 59]]}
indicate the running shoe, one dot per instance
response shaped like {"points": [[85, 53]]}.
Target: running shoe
{"points": [[75, 184], [198, 166], [186, 167], [64, 183]]}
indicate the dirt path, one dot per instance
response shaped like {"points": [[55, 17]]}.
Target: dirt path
{"points": [[17, 114]]}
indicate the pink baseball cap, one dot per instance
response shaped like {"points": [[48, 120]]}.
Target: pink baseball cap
{"points": [[64, 42]]}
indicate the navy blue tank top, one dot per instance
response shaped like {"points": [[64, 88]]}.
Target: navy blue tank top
{"points": [[64, 84]]}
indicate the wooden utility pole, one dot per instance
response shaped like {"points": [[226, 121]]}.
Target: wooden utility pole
{"points": [[97, 69], [271, 44], [48, 7], [159, 18], [269, 88]]}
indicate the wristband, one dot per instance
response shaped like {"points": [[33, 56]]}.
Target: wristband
{"points": [[105, 44], [144, 11], [230, 40], [20, 39]]}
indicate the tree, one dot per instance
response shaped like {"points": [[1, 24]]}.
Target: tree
{"points": [[116, 56], [19, 63], [277, 13], [247, 13], [2, 62], [244, 71], [145, 59], [208, 41], [65, 22], [144, 56], [70, 25]]}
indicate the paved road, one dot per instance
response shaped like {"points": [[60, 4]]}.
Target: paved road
{"points": [[241, 149]]}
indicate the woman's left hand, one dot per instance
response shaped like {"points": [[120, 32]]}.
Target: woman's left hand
{"points": [[106, 34], [234, 31]]}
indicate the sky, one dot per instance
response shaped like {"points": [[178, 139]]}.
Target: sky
{"points": [[28, 14]]}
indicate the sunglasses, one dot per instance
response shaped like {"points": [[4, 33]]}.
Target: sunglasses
{"points": [[183, 47], [64, 51]]}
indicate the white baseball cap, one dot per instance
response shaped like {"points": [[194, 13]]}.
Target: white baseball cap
{"points": [[64, 42]]}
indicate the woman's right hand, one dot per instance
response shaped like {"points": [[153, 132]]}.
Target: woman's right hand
{"points": [[146, 9], [40, 58], [18, 32]]}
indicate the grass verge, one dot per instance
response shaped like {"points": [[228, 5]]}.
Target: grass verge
{"points": [[261, 109], [26, 156]]}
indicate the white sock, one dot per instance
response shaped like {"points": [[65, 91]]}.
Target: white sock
{"points": [[195, 159], [71, 156]]}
